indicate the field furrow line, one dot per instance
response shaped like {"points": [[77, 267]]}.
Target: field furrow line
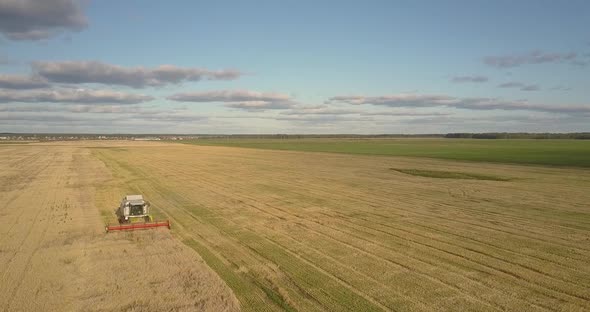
{"points": [[475, 251], [266, 211]]}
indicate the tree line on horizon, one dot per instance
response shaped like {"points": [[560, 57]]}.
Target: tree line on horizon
{"points": [[519, 135], [458, 135]]}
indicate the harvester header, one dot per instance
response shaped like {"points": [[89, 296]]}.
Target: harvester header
{"points": [[136, 226]]}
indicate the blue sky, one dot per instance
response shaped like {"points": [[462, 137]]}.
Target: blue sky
{"points": [[294, 66]]}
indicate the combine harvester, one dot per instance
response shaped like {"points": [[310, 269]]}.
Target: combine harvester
{"points": [[134, 207]]}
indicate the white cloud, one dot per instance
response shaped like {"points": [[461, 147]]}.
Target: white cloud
{"points": [[240, 99], [424, 100], [22, 82], [519, 85], [81, 96], [474, 78], [535, 57]]}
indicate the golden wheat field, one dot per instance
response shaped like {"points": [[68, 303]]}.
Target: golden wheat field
{"points": [[262, 230]]}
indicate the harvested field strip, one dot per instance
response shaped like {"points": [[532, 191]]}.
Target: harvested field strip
{"points": [[347, 233], [371, 200], [344, 195], [508, 252], [413, 197], [21, 245], [21, 183], [380, 216], [269, 221], [254, 241], [23, 242], [345, 299], [470, 248], [171, 205], [55, 256], [329, 268], [374, 201]]}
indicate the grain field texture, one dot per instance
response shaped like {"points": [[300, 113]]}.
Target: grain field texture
{"points": [[300, 231], [56, 256]]}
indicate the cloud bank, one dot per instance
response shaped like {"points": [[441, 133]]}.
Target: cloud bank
{"points": [[22, 82], [80, 96], [519, 85], [535, 57], [78, 72], [420, 100], [474, 78], [240, 99], [40, 19]]}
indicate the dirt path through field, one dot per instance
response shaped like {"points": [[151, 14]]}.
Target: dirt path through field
{"points": [[55, 256]]}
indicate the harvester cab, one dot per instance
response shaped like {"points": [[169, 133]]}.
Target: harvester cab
{"points": [[134, 208]]}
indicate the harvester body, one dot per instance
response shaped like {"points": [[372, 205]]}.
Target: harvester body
{"points": [[134, 207]]}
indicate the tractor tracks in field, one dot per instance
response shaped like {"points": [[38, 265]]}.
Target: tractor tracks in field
{"points": [[32, 240], [366, 224], [237, 242], [442, 241], [363, 199], [224, 236], [380, 258], [468, 249], [30, 174], [183, 220], [354, 198], [483, 264], [35, 219], [55, 257]]}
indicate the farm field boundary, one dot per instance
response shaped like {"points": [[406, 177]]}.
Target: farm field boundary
{"points": [[571, 153]]}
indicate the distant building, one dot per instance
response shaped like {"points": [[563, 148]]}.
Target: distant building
{"points": [[147, 139]]}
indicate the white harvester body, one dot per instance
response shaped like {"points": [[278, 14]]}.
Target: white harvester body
{"points": [[133, 206]]}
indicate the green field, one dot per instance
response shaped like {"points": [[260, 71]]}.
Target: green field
{"points": [[538, 152]]}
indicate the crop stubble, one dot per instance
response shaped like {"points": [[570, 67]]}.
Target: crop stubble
{"points": [[314, 231], [288, 231], [55, 256]]}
